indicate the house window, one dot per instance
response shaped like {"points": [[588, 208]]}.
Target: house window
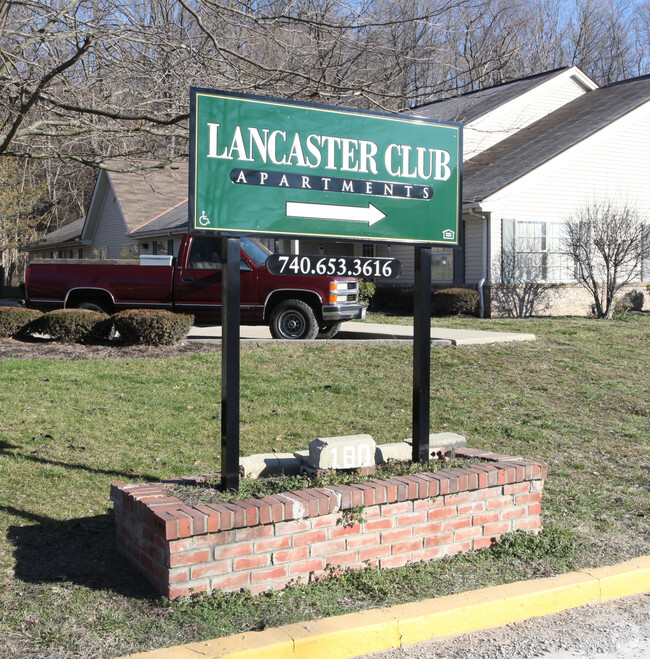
{"points": [[532, 252], [163, 247], [368, 250], [442, 264]]}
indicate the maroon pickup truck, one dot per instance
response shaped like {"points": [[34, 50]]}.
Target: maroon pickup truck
{"points": [[293, 306]]}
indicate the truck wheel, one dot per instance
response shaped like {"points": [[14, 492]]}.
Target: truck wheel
{"points": [[293, 319], [329, 331]]}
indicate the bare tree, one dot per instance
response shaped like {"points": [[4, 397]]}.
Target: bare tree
{"points": [[608, 245]]}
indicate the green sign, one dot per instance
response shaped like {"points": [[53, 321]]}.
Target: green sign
{"points": [[284, 168]]}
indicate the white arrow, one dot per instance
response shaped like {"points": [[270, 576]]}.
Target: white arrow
{"points": [[370, 214]]}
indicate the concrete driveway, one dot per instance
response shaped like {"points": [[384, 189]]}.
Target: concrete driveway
{"points": [[376, 333]]}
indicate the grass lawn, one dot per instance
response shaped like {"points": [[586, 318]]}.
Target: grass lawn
{"points": [[578, 398]]}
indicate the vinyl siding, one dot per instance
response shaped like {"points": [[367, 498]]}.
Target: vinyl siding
{"points": [[611, 165], [473, 250]]}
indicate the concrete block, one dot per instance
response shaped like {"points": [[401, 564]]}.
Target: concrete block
{"points": [[399, 451], [302, 456], [269, 464], [346, 452], [445, 440]]}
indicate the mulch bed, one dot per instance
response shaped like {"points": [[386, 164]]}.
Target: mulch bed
{"points": [[46, 349]]}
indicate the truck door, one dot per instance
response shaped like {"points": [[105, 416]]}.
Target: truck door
{"points": [[197, 284]]}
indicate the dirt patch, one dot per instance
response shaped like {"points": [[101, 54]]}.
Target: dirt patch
{"points": [[46, 349]]}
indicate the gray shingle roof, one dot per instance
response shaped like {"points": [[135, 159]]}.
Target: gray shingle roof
{"points": [[173, 220], [70, 233], [470, 106], [538, 143], [148, 193]]}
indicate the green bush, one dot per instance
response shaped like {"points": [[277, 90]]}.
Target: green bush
{"points": [[73, 325], [366, 292], [13, 320], [631, 301], [152, 326], [454, 301]]}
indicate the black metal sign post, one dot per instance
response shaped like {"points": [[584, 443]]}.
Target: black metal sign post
{"points": [[421, 354], [230, 295]]}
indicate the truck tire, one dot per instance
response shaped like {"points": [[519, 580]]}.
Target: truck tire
{"points": [[329, 331], [293, 319]]}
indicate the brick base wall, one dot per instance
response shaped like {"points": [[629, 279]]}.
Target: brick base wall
{"points": [[296, 536]]}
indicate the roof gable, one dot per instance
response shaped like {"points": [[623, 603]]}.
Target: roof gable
{"points": [[540, 142]]}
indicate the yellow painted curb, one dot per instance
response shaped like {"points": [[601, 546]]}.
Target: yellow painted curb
{"points": [[382, 629]]}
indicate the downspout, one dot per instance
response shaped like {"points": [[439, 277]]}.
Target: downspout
{"points": [[483, 217]]}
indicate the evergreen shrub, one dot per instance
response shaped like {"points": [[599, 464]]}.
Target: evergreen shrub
{"points": [[152, 326], [455, 301], [73, 325], [14, 320]]}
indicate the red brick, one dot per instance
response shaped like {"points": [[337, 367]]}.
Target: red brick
{"points": [[485, 518], [327, 501], [250, 562], [529, 497], [312, 565], [309, 502], [412, 486], [457, 499], [456, 523], [528, 523], [368, 493], [516, 488], [230, 582], [277, 508], [174, 592], [288, 555], [364, 540], [427, 504], [471, 508], [393, 561], [309, 537], [443, 483], [372, 553], [226, 516], [426, 554], [433, 484], [271, 544], [481, 543], [233, 550], [253, 533], [534, 508], [189, 557], [463, 478], [185, 544], [499, 502], [401, 489], [429, 528], [438, 539], [166, 524], [513, 513], [441, 513], [468, 534], [344, 530], [397, 508], [212, 518], [496, 529], [406, 546], [380, 490], [214, 539], [325, 521], [252, 512], [329, 547], [292, 526], [412, 518], [344, 558], [212, 569], [396, 536], [239, 515], [379, 524], [262, 576], [458, 548]]}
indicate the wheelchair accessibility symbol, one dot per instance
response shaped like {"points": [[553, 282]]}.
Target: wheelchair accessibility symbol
{"points": [[204, 220]]}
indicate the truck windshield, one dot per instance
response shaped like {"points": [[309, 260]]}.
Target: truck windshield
{"points": [[255, 251]]}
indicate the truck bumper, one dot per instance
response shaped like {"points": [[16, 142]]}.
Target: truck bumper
{"points": [[335, 313]]}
